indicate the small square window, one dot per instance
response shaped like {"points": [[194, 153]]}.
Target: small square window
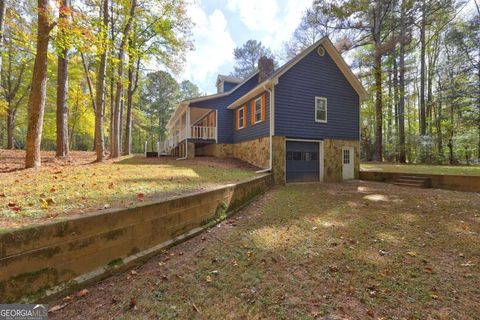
{"points": [[346, 156], [320, 109]]}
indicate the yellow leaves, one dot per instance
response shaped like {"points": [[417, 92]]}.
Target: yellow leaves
{"points": [[411, 253]]}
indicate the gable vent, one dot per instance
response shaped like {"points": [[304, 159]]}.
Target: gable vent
{"points": [[321, 51]]}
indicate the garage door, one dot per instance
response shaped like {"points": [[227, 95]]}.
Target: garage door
{"points": [[302, 160]]}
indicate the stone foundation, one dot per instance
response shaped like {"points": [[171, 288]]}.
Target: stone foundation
{"points": [[219, 150], [278, 159], [332, 163], [255, 152]]}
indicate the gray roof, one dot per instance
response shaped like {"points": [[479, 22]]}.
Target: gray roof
{"points": [[230, 79]]}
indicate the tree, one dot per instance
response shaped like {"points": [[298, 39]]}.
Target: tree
{"points": [[100, 84], [189, 90], [159, 98], [117, 111], [62, 81], [36, 103], [246, 57], [3, 9]]}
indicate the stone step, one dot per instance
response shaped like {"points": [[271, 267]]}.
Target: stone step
{"points": [[412, 181]]}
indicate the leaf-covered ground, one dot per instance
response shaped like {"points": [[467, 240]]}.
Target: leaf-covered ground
{"points": [[473, 170], [65, 187], [357, 250]]}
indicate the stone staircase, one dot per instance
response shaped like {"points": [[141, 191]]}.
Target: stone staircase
{"points": [[413, 181]]}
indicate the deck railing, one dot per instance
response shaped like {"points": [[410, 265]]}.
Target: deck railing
{"points": [[200, 132]]}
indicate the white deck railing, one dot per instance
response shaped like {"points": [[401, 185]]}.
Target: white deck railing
{"points": [[207, 133], [196, 132]]}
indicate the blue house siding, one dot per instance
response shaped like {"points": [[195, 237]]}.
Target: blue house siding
{"points": [[225, 117], [255, 131], [295, 101], [227, 86]]}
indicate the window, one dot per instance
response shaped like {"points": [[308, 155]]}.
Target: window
{"points": [[320, 109], [346, 156], [302, 156], [241, 118], [258, 110]]}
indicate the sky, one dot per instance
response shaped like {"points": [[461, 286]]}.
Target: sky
{"points": [[222, 25]]}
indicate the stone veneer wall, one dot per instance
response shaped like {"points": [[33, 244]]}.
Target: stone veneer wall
{"points": [[332, 163], [254, 151], [219, 150], [278, 159]]}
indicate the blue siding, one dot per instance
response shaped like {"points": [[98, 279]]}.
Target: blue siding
{"points": [[225, 118], [257, 130], [295, 101], [227, 86]]}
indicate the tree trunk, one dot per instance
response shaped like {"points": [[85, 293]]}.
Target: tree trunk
{"points": [[116, 143], [401, 98], [127, 148], [36, 103], [100, 92], [62, 91], [423, 124], [378, 107], [3, 9], [10, 128]]}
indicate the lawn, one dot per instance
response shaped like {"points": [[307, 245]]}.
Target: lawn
{"points": [[473, 170], [357, 250], [64, 188]]}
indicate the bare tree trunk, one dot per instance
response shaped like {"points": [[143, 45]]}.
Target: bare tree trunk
{"points": [[3, 9], [401, 99], [116, 142], [127, 148], [10, 128], [378, 81], [100, 92], [36, 103], [423, 125], [62, 91]]}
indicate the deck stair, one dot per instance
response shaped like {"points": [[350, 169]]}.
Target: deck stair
{"points": [[413, 181]]}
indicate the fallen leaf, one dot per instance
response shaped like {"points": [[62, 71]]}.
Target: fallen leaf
{"points": [[134, 272], [2, 195], [371, 313], [57, 307], [83, 293], [468, 264], [110, 185], [208, 279], [12, 204], [52, 189], [411, 253], [434, 296], [428, 270], [140, 197], [133, 304]]}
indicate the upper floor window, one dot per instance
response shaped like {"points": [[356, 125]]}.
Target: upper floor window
{"points": [[258, 110], [320, 109], [241, 118]]}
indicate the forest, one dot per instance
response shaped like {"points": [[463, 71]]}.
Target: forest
{"points": [[78, 75]]}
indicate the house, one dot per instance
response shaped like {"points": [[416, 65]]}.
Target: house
{"points": [[301, 121]]}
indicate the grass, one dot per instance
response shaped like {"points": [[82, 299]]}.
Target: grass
{"points": [[356, 250], [57, 191], [473, 170]]}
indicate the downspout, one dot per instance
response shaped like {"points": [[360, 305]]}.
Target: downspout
{"points": [[270, 91]]}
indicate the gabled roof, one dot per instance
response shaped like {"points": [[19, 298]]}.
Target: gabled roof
{"points": [[334, 54], [229, 79]]}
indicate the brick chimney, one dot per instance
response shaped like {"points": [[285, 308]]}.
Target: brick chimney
{"points": [[265, 68]]}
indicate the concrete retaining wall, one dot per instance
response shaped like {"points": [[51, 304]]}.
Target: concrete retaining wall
{"points": [[42, 261], [449, 182]]}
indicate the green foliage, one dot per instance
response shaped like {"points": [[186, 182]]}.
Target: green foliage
{"points": [[246, 57]]}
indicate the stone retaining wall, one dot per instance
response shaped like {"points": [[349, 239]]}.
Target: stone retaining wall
{"points": [[42, 261], [448, 182]]}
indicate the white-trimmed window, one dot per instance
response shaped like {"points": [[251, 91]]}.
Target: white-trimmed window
{"points": [[241, 118], [258, 110], [321, 109]]}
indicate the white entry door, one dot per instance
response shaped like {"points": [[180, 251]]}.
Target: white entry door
{"points": [[347, 160]]}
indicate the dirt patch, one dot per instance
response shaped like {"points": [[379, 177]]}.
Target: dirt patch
{"points": [[311, 251]]}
